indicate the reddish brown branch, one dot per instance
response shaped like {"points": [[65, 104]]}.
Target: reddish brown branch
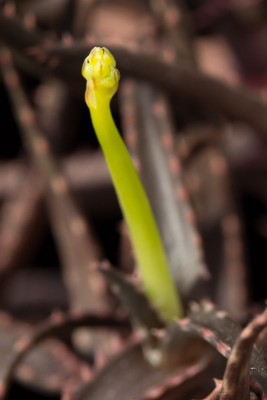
{"points": [[76, 242], [236, 381], [58, 326], [179, 80], [20, 223], [79, 169]]}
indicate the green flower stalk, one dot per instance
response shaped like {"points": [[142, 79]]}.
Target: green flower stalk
{"points": [[99, 70]]}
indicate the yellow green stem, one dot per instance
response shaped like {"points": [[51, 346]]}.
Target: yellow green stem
{"points": [[102, 82]]}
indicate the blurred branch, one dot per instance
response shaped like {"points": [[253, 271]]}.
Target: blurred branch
{"points": [[180, 81], [21, 221], [58, 326], [77, 245], [78, 168]]}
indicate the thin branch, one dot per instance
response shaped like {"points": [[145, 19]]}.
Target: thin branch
{"points": [[20, 225], [179, 81], [77, 245], [58, 326], [78, 168], [237, 379]]}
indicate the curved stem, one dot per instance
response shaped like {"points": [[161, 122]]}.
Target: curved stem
{"points": [[143, 231]]}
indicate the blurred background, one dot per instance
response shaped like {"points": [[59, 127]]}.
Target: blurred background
{"points": [[196, 134]]}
